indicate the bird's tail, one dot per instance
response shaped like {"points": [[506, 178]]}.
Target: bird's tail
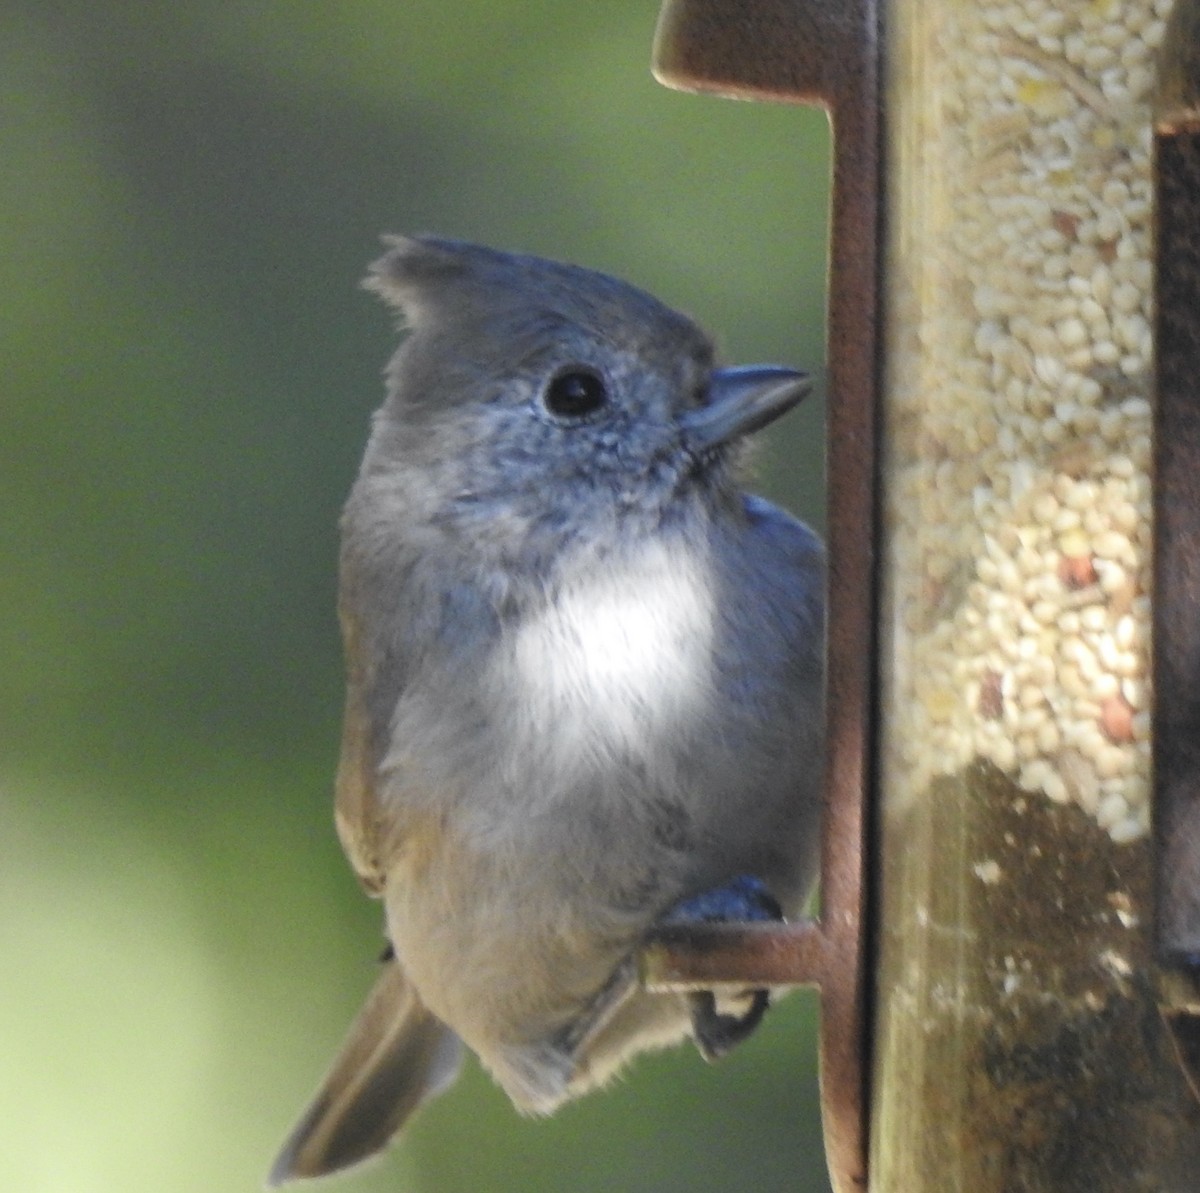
{"points": [[395, 1056]]}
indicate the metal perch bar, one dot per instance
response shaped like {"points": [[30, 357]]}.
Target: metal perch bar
{"points": [[729, 957], [826, 54]]}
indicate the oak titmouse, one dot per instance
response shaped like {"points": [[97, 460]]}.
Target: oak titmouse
{"points": [[584, 688]]}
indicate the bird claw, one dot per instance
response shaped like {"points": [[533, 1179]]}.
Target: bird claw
{"points": [[716, 1033], [745, 899]]}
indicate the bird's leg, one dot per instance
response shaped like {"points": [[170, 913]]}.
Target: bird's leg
{"points": [[579, 1036], [744, 899]]}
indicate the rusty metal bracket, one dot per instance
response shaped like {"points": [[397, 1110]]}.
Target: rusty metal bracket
{"points": [[825, 53], [1176, 612]]}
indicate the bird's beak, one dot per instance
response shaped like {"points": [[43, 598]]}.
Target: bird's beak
{"points": [[741, 401]]}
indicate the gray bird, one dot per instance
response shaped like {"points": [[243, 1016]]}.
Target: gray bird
{"points": [[584, 685]]}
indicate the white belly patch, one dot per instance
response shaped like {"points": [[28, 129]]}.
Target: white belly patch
{"points": [[622, 656]]}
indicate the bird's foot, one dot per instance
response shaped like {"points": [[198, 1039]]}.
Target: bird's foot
{"points": [[745, 899]]}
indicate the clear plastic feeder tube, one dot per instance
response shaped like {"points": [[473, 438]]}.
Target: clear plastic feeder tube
{"points": [[1017, 1040]]}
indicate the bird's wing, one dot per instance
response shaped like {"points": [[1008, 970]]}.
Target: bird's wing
{"points": [[379, 645], [356, 811]]}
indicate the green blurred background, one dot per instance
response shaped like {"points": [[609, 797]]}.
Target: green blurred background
{"points": [[189, 194]]}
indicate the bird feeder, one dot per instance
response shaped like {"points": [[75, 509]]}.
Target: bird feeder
{"points": [[1008, 946]]}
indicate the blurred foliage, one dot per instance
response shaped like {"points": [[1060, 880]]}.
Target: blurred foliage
{"points": [[189, 196]]}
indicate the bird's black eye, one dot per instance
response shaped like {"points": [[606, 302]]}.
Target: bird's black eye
{"points": [[575, 393]]}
